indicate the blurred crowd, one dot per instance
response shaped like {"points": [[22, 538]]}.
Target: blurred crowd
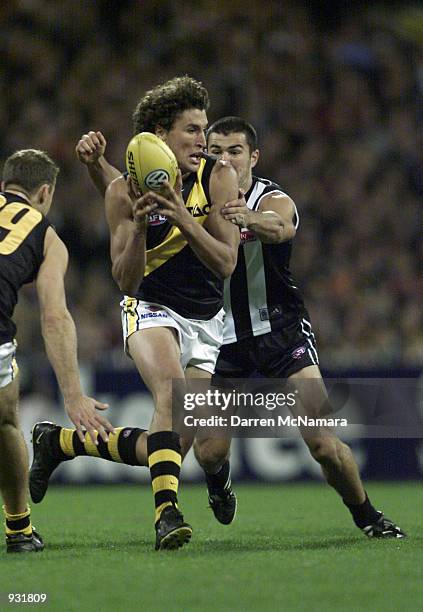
{"points": [[335, 91]]}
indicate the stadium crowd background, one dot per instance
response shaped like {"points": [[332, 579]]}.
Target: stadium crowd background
{"points": [[336, 96]]}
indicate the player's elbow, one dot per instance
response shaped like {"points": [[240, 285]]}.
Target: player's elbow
{"points": [[227, 265], [126, 284], [128, 288], [289, 231], [280, 233], [223, 272], [285, 232]]}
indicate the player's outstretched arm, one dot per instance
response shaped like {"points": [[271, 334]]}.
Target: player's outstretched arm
{"points": [[272, 223], [59, 335], [127, 215], [90, 151]]}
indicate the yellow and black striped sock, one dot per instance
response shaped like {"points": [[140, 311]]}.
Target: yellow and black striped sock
{"points": [[18, 523], [164, 461], [121, 447]]}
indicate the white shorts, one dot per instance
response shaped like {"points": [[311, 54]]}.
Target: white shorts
{"points": [[199, 341], [8, 366]]}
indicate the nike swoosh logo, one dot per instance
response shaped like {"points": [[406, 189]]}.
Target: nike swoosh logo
{"points": [[37, 440]]}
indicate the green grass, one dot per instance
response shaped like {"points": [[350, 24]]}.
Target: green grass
{"points": [[292, 547]]}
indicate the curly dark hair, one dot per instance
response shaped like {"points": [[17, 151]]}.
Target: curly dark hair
{"points": [[162, 104]]}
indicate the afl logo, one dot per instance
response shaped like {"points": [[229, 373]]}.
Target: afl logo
{"points": [[155, 179], [156, 219]]}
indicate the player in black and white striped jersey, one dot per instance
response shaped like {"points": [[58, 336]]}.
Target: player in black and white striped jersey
{"points": [[267, 327], [261, 296]]}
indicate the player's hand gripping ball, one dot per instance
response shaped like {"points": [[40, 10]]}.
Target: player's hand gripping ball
{"points": [[150, 162]]}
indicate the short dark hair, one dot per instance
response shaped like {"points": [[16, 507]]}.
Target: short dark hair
{"points": [[29, 168], [231, 125], [162, 105]]}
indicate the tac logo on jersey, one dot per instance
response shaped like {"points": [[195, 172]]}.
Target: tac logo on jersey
{"points": [[197, 211], [156, 218], [156, 178]]}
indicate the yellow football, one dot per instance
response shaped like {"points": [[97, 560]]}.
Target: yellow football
{"points": [[150, 162]]}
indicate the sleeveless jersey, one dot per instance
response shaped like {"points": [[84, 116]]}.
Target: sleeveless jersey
{"points": [[22, 232], [261, 295], [174, 276]]}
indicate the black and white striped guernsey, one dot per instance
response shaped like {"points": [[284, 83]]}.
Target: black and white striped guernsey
{"points": [[261, 295]]}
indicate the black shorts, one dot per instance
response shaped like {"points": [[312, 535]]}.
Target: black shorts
{"points": [[277, 354]]}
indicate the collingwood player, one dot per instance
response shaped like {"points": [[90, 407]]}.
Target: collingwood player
{"points": [[31, 250], [169, 257], [267, 328]]}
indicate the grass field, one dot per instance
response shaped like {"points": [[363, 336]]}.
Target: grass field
{"points": [[292, 547]]}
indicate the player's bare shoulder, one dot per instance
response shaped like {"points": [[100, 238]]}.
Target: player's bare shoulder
{"points": [[55, 261], [54, 245], [279, 202]]}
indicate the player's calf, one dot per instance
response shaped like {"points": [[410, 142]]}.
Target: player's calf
{"points": [[325, 449], [164, 460], [342, 473], [53, 444]]}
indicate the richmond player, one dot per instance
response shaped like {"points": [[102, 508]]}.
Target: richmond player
{"points": [[171, 271], [31, 250]]}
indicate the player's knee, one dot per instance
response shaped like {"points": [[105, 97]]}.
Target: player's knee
{"points": [[162, 418], [211, 453], [8, 417], [8, 423], [325, 450]]}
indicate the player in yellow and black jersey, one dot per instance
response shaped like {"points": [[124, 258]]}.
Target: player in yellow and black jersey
{"points": [[31, 250], [22, 232], [170, 254], [173, 309], [170, 257]]}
